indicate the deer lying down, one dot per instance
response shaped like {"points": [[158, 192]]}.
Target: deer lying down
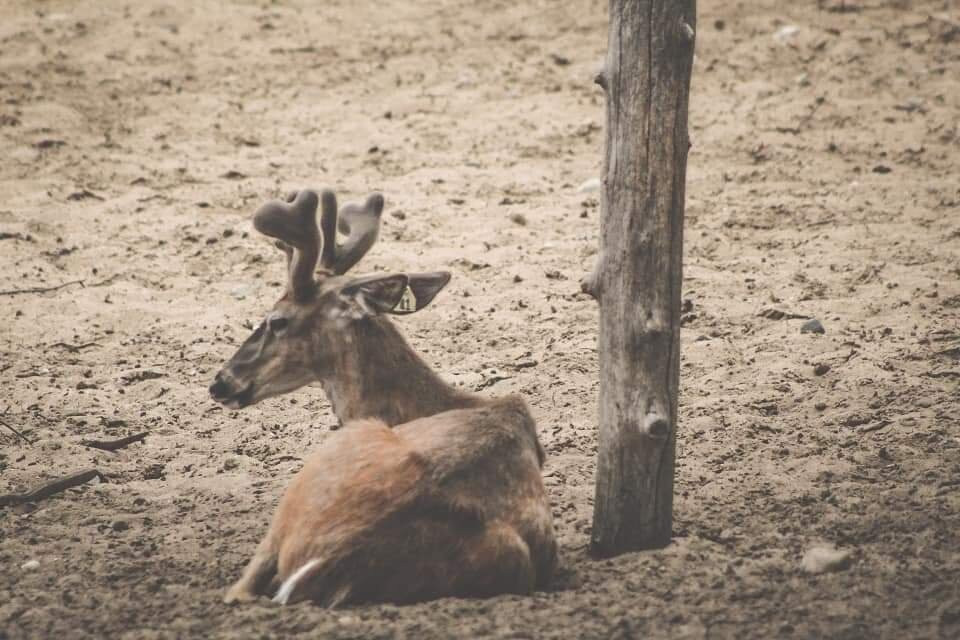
{"points": [[427, 491]]}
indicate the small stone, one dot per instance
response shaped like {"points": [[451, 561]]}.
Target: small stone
{"points": [[824, 558], [518, 218], [120, 525], [821, 369], [812, 326], [30, 565], [914, 103], [241, 291], [820, 406], [785, 33], [589, 186]]}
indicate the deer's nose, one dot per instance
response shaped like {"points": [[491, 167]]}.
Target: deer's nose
{"points": [[219, 388]]}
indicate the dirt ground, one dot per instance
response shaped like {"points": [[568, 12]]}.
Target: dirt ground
{"points": [[137, 139]]}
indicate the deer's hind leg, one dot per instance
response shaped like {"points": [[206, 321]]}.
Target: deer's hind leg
{"points": [[258, 577], [498, 562]]}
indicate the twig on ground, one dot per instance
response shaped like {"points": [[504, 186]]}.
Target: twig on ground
{"points": [[105, 281], [876, 426], [82, 283], [113, 445], [14, 292], [51, 488], [17, 433], [73, 348], [778, 314]]}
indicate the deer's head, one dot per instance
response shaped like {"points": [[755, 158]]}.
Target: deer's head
{"points": [[308, 329]]}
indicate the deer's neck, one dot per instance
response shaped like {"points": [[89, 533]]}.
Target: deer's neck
{"points": [[380, 376]]}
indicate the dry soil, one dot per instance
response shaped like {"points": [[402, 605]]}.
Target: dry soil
{"points": [[137, 138]]}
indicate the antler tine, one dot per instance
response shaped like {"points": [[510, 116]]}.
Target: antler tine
{"points": [[361, 224], [280, 244], [328, 228], [295, 224]]}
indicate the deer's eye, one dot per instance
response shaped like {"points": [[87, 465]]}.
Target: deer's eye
{"points": [[278, 324]]}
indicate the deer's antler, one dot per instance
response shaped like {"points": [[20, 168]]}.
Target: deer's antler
{"points": [[294, 225], [361, 224]]}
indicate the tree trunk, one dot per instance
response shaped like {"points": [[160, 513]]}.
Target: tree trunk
{"points": [[637, 280]]}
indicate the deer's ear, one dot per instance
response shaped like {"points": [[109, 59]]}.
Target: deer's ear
{"points": [[376, 294], [422, 288]]}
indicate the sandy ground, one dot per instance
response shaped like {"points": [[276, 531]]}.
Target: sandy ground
{"points": [[137, 138]]}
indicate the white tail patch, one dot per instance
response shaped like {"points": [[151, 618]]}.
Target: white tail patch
{"points": [[290, 584]]}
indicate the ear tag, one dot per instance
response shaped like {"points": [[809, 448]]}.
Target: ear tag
{"points": [[407, 304]]}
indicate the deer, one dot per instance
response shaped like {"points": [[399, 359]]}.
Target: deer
{"points": [[426, 491]]}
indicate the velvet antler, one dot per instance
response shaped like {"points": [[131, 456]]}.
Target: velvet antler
{"points": [[361, 224], [294, 225]]}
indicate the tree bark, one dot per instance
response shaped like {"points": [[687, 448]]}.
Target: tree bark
{"points": [[638, 276]]}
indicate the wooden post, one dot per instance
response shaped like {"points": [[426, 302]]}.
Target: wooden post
{"points": [[637, 279]]}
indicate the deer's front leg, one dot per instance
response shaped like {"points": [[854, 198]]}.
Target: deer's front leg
{"points": [[257, 576]]}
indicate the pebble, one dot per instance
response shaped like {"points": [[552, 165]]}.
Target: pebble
{"points": [[812, 326], [821, 369], [824, 558], [785, 33], [121, 525], [242, 291], [30, 565], [593, 184]]}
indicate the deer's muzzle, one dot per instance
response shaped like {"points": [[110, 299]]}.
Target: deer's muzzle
{"points": [[226, 391]]}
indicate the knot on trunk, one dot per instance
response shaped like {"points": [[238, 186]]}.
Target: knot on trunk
{"points": [[656, 426], [600, 78]]}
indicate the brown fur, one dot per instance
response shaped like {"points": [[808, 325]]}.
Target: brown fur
{"points": [[447, 505], [383, 377]]}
